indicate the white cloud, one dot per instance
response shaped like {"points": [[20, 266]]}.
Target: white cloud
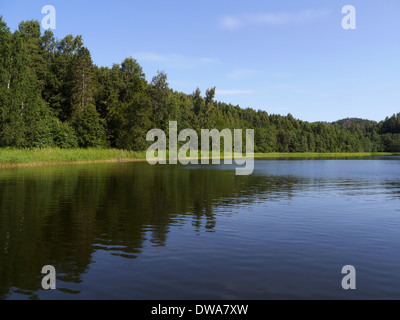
{"points": [[300, 90], [241, 73], [175, 60], [277, 109], [233, 92], [272, 19], [281, 75], [230, 22], [283, 86]]}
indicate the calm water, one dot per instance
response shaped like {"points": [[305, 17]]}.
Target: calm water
{"points": [[133, 231]]}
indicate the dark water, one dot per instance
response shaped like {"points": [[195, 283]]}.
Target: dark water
{"points": [[133, 231]]}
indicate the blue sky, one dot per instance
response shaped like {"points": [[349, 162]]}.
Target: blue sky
{"points": [[283, 57]]}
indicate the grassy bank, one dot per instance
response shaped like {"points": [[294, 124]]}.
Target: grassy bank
{"points": [[19, 157], [31, 157]]}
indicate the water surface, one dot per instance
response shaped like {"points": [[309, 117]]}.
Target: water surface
{"points": [[135, 231]]}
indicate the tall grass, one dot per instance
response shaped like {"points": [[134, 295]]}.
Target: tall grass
{"points": [[10, 156], [14, 157]]}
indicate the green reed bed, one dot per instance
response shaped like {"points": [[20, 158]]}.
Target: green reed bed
{"points": [[14, 157], [33, 156]]}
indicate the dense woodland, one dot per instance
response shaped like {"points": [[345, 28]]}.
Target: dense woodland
{"points": [[52, 95]]}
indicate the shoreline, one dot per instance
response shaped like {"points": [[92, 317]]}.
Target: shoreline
{"points": [[60, 163], [120, 158]]}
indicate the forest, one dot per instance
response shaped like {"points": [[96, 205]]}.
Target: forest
{"points": [[53, 95]]}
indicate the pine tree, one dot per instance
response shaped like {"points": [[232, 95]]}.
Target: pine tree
{"points": [[85, 118], [83, 82]]}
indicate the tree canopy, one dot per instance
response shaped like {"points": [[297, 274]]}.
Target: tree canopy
{"points": [[52, 95]]}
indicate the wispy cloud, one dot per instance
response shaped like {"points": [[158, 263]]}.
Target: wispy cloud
{"points": [[283, 86], [175, 60], [242, 73], [231, 22], [233, 92], [277, 109], [272, 19], [182, 85], [300, 90], [281, 74]]}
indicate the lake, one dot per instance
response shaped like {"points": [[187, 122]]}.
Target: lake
{"points": [[135, 231]]}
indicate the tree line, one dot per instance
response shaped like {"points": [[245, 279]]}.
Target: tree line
{"points": [[52, 95]]}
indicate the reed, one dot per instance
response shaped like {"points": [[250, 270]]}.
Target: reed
{"points": [[10, 157]]}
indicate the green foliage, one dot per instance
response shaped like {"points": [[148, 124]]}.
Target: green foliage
{"points": [[64, 135], [135, 125], [89, 129], [83, 84]]}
